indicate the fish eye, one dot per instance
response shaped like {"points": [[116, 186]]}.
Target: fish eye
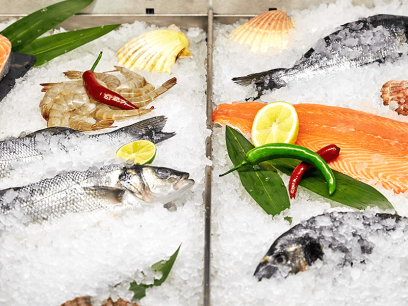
{"points": [[281, 259], [163, 173]]}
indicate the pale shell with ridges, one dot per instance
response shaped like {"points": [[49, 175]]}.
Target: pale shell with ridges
{"points": [[155, 50], [269, 29]]}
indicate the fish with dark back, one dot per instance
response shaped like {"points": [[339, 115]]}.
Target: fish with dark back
{"points": [[108, 188], [42, 144], [353, 235], [375, 39]]}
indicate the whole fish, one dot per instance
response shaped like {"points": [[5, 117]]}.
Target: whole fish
{"points": [[43, 143], [368, 40], [354, 234], [107, 188]]}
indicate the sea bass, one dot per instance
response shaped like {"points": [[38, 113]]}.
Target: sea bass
{"points": [[374, 39], [107, 188], [373, 148], [44, 143], [352, 235]]}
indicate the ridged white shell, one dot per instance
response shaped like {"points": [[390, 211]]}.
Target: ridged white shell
{"points": [[155, 50], [269, 29]]}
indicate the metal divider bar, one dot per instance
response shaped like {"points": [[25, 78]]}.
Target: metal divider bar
{"points": [[208, 169]]}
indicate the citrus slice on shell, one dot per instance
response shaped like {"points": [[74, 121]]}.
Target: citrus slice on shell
{"points": [[275, 122], [141, 151]]}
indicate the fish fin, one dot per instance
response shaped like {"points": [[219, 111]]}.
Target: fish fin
{"points": [[112, 195]]}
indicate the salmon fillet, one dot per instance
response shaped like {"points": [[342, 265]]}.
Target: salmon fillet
{"points": [[374, 149], [5, 50]]}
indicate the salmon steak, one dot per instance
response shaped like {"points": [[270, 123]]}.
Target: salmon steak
{"points": [[374, 149], [5, 51]]}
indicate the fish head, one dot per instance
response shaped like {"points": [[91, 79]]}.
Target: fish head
{"points": [[155, 184], [289, 254]]}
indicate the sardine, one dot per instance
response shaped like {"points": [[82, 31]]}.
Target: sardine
{"points": [[377, 38], [107, 188], [353, 234], [43, 143]]}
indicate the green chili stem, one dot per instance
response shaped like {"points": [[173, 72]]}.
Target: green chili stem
{"points": [[96, 62], [235, 168]]}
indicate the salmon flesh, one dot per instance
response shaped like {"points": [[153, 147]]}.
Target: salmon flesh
{"points": [[374, 149]]}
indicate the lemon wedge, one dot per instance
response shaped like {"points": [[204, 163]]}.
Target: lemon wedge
{"points": [[275, 122], [141, 151]]}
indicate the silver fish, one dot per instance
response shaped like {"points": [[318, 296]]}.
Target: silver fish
{"points": [[374, 39], [107, 188], [350, 233], [36, 146]]}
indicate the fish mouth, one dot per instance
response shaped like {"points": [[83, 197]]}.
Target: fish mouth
{"points": [[183, 183], [265, 270]]}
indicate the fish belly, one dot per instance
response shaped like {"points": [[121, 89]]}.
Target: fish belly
{"points": [[374, 149], [5, 51]]}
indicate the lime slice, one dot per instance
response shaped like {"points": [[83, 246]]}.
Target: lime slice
{"points": [[275, 122], [141, 151]]}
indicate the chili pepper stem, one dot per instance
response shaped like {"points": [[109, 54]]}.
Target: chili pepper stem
{"points": [[96, 62], [235, 168]]}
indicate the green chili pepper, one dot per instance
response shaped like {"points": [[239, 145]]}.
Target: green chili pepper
{"points": [[285, 150]]}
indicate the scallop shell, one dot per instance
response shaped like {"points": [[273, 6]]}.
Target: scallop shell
{"points": [[269, 29], [396, 91], [155, 50]]}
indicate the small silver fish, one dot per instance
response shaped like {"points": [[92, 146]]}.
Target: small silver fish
{"points": [[368, 40], [37, 145], [107, 188], [350, 233]]}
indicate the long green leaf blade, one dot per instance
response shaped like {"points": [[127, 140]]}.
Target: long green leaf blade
{"points": [[349, 191], [265, 187], [164, 267], [28, 28], [49, 47]]}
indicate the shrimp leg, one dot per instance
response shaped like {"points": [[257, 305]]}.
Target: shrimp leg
{"points": [[86, 123]]}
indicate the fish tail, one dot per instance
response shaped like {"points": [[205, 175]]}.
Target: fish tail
{"points": [[152, 128], [267, 80], [256, 78]]}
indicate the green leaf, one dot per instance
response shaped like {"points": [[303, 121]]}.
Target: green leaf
{"points": [[49, 47], [24, 31], [264, 186], [349, 192], [164, 267]]}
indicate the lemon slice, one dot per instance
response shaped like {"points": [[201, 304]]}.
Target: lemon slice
{"points": [[141, 151], [275, 122]]}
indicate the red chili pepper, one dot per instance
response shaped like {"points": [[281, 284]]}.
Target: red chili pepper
{"points": [[102, 94], [328, 153]]}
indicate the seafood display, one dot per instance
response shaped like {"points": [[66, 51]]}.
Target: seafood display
{"points": [[368, 151], [377, 38], [5, 51], [155, 51], [353, 234], [396, 91], [269, 29], [108, 188], [36, 146], [68, 104]]}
